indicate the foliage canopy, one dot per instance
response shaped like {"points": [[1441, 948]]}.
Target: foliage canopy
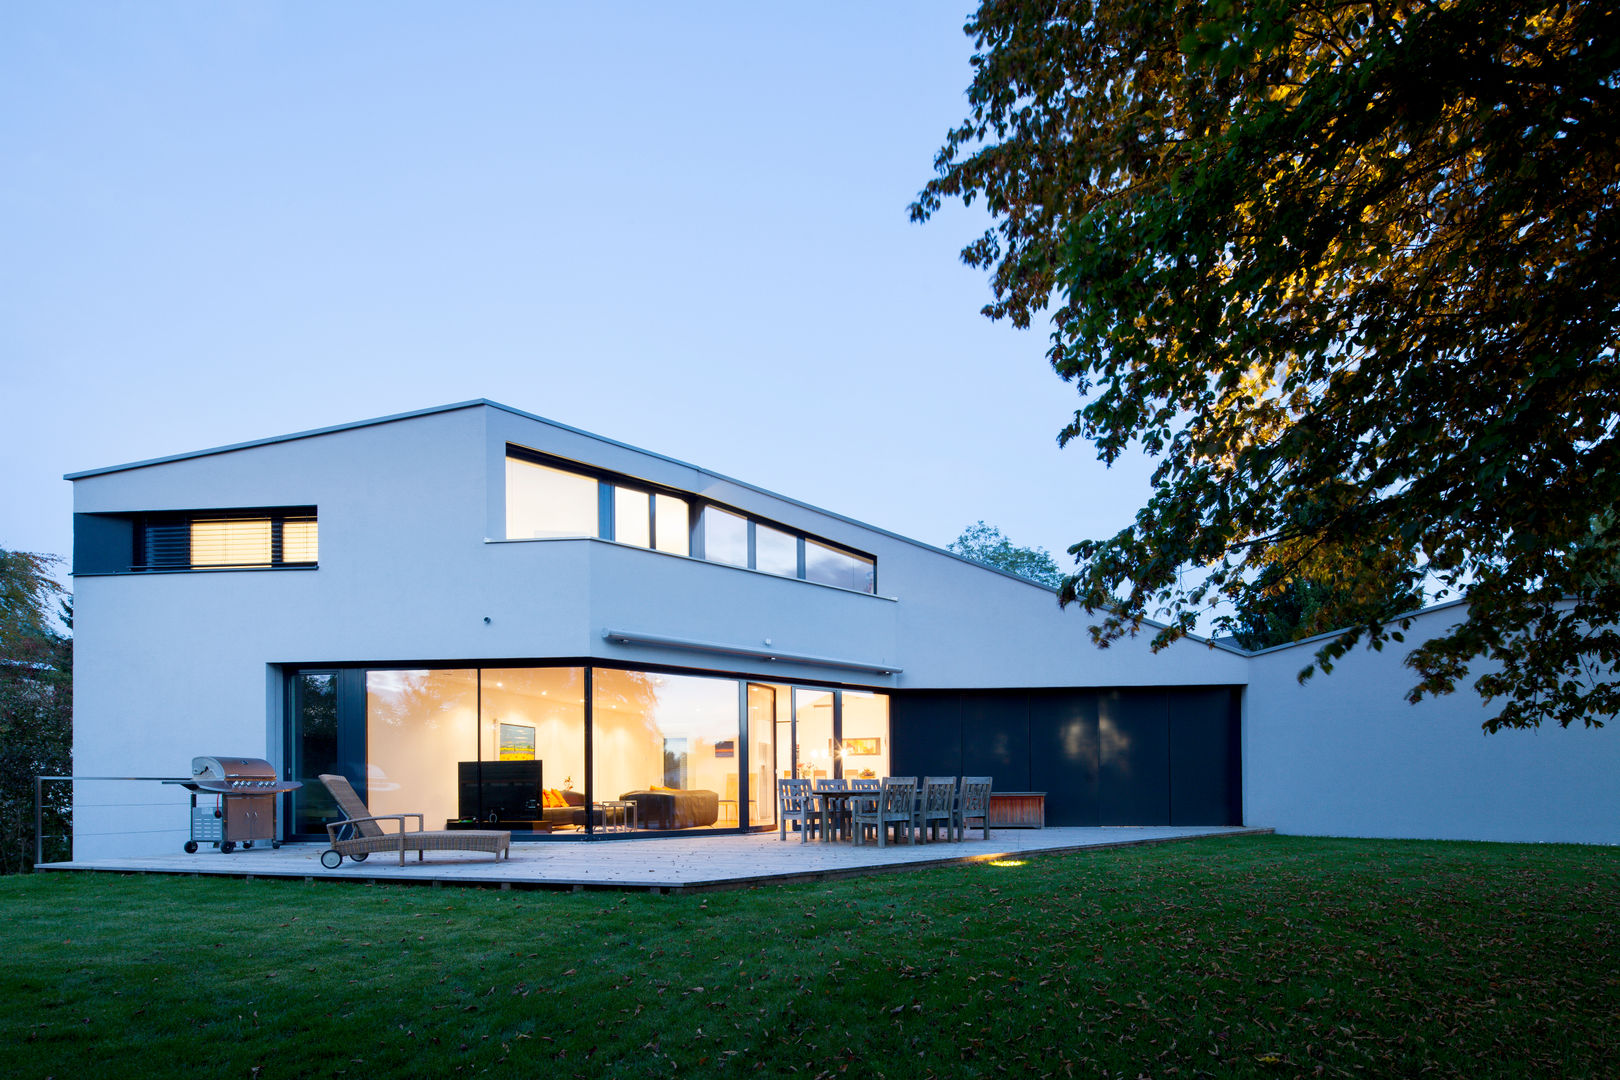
{"points": [[988, 544], [1347, 270]]}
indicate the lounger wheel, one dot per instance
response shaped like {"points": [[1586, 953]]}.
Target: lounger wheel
{"points": [[331, 859], [275, 844], [227, 847], [191, 847], [247, 845], [360, 857]]}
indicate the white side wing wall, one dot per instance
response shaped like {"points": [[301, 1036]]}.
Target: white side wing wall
{"points": [[1345, 755]]}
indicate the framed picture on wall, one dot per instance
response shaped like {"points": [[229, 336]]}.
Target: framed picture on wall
{"points": [[516, 743], [725, 748], [863, 747]]}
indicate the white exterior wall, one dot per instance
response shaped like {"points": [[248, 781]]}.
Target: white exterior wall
{"points": [[1345, 755], [411, 516]]}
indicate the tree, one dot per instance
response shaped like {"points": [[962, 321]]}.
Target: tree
{"points": [[1288, 609], [1346, 270], [36, 700], [986, 544]]}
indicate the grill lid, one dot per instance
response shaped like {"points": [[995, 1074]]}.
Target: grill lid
{"points": [[237, 776]]}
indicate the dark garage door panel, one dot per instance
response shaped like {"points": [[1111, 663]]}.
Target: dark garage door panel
{"points": [[925, 733], [1205, 778], [1063, 754], [1133, 729], [995, 738]]}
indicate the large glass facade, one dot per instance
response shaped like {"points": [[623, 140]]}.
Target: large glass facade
{"points": [[419, 726], [668, 744], [568, 750]]}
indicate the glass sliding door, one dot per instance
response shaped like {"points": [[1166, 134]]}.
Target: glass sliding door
{"points": [[765, 741], [864, 739], [312, 746], [813, 719]]}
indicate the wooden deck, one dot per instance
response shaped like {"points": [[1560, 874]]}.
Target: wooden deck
{"points": [[665, 864]]}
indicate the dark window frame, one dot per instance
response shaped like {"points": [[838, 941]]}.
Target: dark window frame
{"points": [[695, 505], [173, 529]]}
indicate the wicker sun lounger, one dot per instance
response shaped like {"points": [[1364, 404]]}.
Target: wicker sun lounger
{"points": [[359, 833]]}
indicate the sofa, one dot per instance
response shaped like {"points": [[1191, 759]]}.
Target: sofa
{"points": [[670, 808]]}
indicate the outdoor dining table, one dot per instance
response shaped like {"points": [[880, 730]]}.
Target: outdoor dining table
{"points": [[827, 803]]}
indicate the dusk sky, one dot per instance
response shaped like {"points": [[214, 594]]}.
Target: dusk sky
{"points": [[679, 226]]}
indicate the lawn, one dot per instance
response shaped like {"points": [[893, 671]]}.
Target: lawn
{"points": [[1258, 956]]}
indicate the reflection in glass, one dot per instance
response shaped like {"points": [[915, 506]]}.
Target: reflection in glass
{"points": [[866, 734], [831, 566], [314, 749], [419, 724], [542, 501], [632, 517], [674, 525], [231, 542], [667, 743], [813, 711], [725, 536], [775, 551]]}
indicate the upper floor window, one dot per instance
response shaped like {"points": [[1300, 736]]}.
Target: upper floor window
{"points": [[550, 498], [227, 539], [544, 500]]}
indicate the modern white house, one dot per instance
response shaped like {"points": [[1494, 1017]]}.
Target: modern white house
{"points": [[488, 616]]}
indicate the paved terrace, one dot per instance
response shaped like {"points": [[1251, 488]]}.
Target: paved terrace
{"points": [[664, 864]]}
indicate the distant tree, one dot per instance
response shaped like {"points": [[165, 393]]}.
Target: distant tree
{"points": [[1283, 607], [986, 544], [1348, 271], [36, 700]]}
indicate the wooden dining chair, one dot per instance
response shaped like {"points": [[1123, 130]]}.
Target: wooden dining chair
{"points": [[893, 806], [794, 803], [937, 807], [972, 804]]}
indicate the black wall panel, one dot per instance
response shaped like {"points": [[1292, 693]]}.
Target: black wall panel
{"points": [[1063, 754], [1133, 728], [1103, 757], [1205, 774], [995, 737], [925, 733]]}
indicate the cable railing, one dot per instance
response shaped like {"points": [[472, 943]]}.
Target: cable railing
{"points": [[62, 811]]}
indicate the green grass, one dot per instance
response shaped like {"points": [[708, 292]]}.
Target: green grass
{"points": [[1264, 956]]}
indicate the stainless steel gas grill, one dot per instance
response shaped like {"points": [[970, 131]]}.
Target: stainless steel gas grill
{"points": [[244, 804]]}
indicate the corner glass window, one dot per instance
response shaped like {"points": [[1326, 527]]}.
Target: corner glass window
{"points": [[725, 536], [542, 501], [831, 566], [775, 551]]}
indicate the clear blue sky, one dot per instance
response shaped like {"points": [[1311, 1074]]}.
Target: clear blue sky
{"points": [[678, 225]]}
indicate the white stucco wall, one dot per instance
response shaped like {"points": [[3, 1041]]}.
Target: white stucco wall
{"points": [[1345, 755], [412, 564]]}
